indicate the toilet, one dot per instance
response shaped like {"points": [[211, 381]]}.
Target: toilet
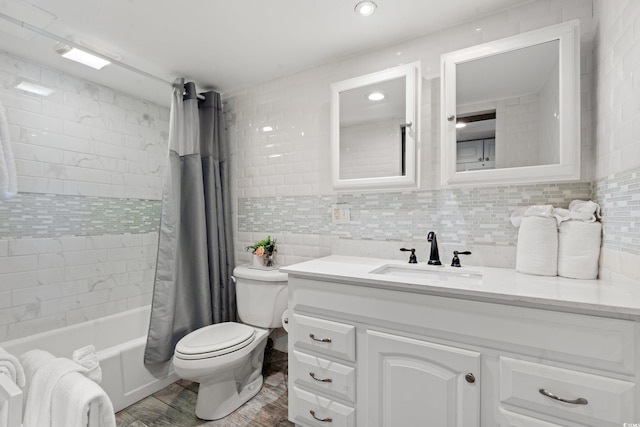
{"points": [[226, 358]]}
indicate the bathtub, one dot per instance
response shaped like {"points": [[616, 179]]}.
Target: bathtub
{"points": [[119, 340]]}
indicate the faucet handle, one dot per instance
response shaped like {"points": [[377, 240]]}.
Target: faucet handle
{"points": [[412, 257], [455, 262]]}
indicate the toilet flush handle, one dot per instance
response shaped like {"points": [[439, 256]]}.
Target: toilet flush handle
{"points": [[234, 279]]}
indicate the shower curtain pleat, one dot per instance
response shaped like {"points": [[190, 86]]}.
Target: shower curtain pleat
{"points": [[193, 286]]}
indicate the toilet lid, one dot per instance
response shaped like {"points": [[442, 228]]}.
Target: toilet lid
{"points": [[215, 340]]}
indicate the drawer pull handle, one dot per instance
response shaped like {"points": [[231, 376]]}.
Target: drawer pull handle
{"points": [[324, 420], [578, 401], [321, 380], [313, 337]]}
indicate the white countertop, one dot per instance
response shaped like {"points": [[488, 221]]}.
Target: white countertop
{"points": [[501, 285]]}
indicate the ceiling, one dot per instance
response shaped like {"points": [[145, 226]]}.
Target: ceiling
{"points": [[220, 44]]}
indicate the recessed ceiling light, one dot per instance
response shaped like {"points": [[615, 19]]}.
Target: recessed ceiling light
{"points": [[34, 88], [267, 129], [375, 96], [460, 125], [365, 8], [82, 57]]}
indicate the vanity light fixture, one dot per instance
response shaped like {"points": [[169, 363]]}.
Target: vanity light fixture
{"points": [[34, 88], [460, 125], [365, 8], [375, 96], [82, 57]]}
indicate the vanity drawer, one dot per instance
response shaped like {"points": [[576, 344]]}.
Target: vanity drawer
{"points": [[316, 410], [325, 375], [593, 400], [511, 419], [325, 336]]}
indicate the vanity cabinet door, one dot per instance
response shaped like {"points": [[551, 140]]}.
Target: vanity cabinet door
{"points": [[414, 382]]}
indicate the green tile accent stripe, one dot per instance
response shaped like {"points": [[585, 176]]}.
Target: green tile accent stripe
{"points": [[468, 215], [619, 197], [50, 215]]}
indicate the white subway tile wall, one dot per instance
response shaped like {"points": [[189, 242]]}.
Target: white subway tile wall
{"points": [[617, 97], [80, 240], [617, 124], [292, 193]]}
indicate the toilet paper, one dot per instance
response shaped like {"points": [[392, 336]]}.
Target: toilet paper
{"points": [[285, 320]]}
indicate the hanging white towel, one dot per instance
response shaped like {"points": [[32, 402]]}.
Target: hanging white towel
{"points": [[537, 247], [39, 399], [8, 177], [32, 361], [579, 249], [72, 398], [12, 367]]}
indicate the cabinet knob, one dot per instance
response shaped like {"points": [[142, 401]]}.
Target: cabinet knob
{"points": [[470, 378]]}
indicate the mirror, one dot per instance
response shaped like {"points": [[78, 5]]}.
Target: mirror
{"points": [[373, 129], [511, 109]]}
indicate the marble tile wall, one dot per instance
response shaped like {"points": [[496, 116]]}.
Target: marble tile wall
{"points": [[80, 239], [617, 129]]}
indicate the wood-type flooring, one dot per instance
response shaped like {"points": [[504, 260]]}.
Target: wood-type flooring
{"points": [[174, 406]]}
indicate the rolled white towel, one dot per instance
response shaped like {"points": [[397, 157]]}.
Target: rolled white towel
{"points": [[537, 248], [585, 207], [579, 249], [579, 210], [72, 398], [12, 367], [86, 356], [39, 399], [545, 211]]}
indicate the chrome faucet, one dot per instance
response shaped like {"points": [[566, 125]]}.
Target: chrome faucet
{"points": [[434, 256]]}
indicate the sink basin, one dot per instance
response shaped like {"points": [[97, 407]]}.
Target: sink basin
{"points": [[430, 274]]}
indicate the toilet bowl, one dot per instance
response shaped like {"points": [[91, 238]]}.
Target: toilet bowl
{"points": [[226, 358]]}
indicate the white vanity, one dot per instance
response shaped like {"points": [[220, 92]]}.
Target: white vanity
{"points": [[383, 343]]}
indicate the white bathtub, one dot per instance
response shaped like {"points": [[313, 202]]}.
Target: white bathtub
{"points": [[119, 340]]}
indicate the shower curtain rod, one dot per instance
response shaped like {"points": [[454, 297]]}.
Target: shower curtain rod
{"points": [[59, 39]]}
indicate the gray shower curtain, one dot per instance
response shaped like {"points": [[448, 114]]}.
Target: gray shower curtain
{"points": [[193, 286]]}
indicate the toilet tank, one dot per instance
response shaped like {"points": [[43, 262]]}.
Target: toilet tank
{"points": [[261, 296]]}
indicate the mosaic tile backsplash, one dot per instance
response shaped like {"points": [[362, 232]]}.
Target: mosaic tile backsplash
{"points": [[619, 196], [473, 215], [50, 215]]}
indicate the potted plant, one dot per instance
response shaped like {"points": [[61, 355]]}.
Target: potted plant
{"points": [[264, 252]]}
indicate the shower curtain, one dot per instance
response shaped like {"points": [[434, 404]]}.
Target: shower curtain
{"points": [[193, 286]]}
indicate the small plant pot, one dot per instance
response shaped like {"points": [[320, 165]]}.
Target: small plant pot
{"points": [[258, 261]]}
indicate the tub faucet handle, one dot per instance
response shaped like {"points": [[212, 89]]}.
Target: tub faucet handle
{"points": [[412, 257], [455, 262]]}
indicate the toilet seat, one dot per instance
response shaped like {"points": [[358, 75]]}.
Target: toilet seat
{"points": [[214, 340]]}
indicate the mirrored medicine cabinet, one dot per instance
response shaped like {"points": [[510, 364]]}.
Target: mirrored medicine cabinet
{"points": [[510, 109], [374, 129]]}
